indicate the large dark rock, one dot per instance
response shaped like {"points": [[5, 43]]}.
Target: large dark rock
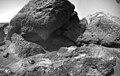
{"points": [[74, 28], [66, 35], [41, 17], [39, 22], [102, 29], [92, 60]]}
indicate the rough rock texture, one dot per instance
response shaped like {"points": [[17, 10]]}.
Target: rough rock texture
{"points": [[102, 29], [2, 33], [12, 52], [92, 60], [47, 25], [22, 48], [40, 21], [66, 35], [41, 17]]}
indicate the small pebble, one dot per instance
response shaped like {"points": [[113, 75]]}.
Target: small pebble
{"points": [[32, 62], [5, 55], [1, 50]]}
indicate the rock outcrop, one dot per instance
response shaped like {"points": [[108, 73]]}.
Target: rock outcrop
{"points": [[46, 38], [89, 60], [41, 17], [102, 29], [66, 35], [39, 21], [54, 42], [23, 49]]}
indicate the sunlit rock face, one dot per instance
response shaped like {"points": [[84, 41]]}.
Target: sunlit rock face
{"points": [[102, 29], [92, 60]]}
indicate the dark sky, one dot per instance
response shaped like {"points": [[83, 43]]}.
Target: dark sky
{"points": [[9, 8]]}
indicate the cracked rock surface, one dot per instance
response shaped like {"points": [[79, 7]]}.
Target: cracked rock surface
{"points": [[102, 29], [47, 38], [39, 20], [92, 60], [41, 17]]}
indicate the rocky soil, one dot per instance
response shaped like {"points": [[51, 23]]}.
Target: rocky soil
{"points": [[46, 38]]}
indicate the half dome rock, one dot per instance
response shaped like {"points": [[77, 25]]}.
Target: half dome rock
{"points": [[41, 17], [102, 29]]}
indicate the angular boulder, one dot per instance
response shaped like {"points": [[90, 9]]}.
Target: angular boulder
{"points": [[41, 17], [102, 29]]}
